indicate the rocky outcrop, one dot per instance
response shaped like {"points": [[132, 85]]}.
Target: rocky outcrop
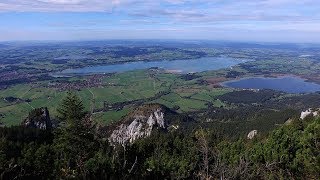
{"points": [[141, 122], [252, 134], [313, 112], [38, 118], [140, 127]]}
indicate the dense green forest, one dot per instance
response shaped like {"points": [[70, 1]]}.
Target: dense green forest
{"points": [[74, 150]]}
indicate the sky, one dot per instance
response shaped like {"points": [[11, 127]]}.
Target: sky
{"points": [[232, 20]]}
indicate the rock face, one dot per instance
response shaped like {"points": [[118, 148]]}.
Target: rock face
{"points": [[252, 134], [38, 118], [140, 127], [308, 112], [141, 122]]}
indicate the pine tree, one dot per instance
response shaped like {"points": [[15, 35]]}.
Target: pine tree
{"points": [[74, 144], [71, 110]]}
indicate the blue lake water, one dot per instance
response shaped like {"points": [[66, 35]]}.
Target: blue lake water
{"points": [[287, 84], [183, 66]]}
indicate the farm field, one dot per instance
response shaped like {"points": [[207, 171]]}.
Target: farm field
{"points": [[129, 87], [124, 91]]}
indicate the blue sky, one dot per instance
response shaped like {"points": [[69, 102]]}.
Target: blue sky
{"points": [[236, 20]]}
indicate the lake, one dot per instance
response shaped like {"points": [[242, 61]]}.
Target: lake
{"points": [[287, 84], [182, 66]]}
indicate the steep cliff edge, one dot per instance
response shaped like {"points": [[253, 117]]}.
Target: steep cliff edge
{"points": [[142, 121]]}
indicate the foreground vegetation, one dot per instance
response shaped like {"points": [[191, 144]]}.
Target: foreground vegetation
{"points": [[75, 150]]}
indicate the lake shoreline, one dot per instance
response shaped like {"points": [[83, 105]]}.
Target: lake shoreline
{"points": [[181, 66], [288, 83]]}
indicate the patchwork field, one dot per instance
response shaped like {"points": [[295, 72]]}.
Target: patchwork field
{"points": [[142, 85]]}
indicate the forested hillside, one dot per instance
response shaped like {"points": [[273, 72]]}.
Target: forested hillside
{"points": [[77, 149]]}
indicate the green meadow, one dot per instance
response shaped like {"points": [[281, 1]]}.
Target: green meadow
{"points": [[184, 96]]}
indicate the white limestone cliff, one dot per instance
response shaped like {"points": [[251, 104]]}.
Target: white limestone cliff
{"points": [[308, 112], [252, 134], [140, 127]]}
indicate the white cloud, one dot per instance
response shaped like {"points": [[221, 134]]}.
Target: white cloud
{"points": [[58, 5], [182, 8], [62, 1], [289, 18]]}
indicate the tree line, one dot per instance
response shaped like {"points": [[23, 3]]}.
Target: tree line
{"points": [[74, 151]]}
